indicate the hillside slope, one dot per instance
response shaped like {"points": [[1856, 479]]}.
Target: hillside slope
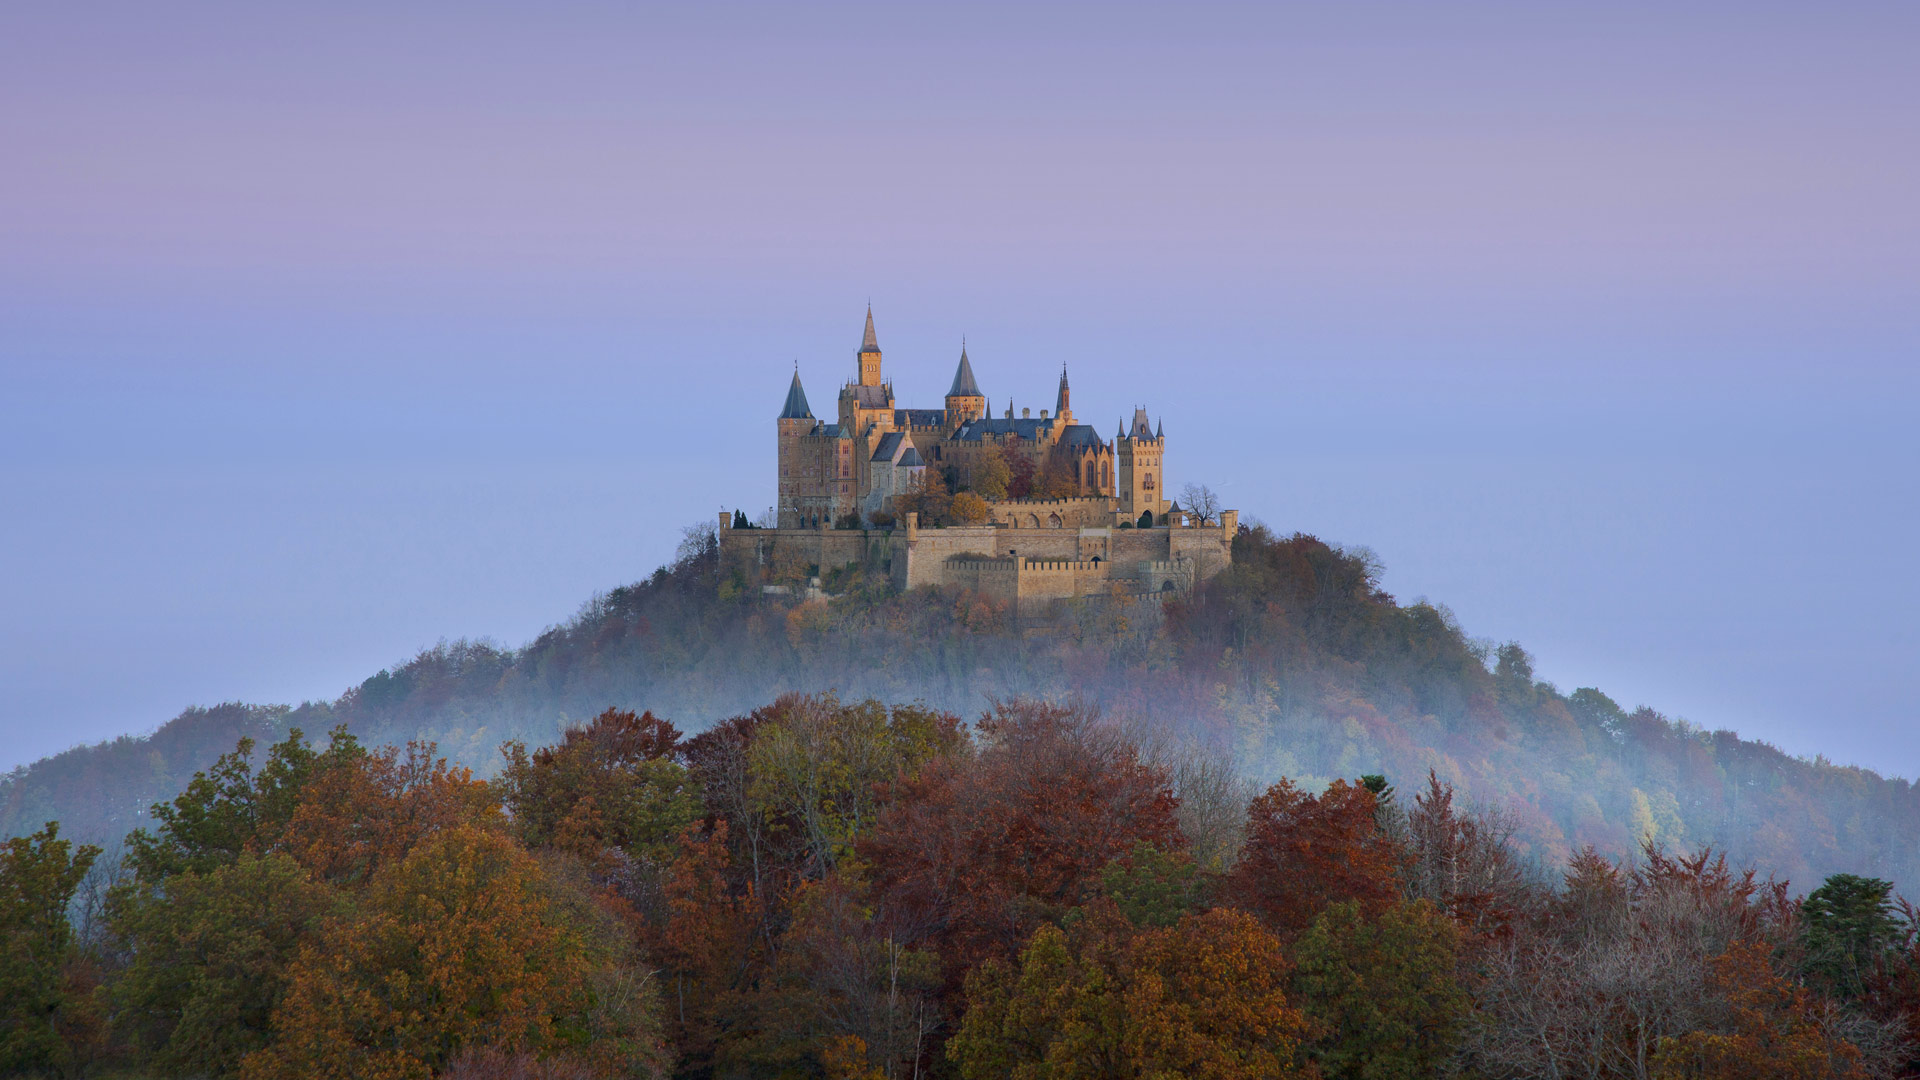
{"points": [[1294, 661]]}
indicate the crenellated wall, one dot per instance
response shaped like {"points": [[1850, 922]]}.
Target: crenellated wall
{"points": [[1025, 567]]}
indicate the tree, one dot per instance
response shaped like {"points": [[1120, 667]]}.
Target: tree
{"points": [[611, 784], [1020, 472], [1203, 506], [461, 944], [1102, 999], [980, 851], [1772, 1030], [1849, 931], [819, 764], [38, 876], [968, 509], [208, 959], [1381, 991], [370, 810], [988, 473], [1056, 481], [1305, 853]]}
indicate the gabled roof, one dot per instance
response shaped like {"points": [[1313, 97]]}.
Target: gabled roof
{"points": [[964, 384], [1081, 436], [1022, 428], [796, 408], [889, 446], [921, 418], [910, 459]]}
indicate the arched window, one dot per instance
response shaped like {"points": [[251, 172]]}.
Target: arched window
{"points": [[1106, 474], [1089, 472], [1053, 521], [1148, 483], [1033, 521]]}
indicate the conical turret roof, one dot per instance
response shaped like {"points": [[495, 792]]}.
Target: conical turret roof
{"points": [[796, 408], [869, 343], [963, 381]]}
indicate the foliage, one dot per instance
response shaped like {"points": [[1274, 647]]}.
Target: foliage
{"points": [[1850, 930], [1305, 853], [455, 946], [208, 959], [1381, 992], [1772, 1030], [1204, 998], [39, 1008], [611, 784]]}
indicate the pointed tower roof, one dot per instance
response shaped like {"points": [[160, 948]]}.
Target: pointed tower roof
{"points": [[1160, 428], [1060, 400], [963, 381], [869, 343], [796, 408]]}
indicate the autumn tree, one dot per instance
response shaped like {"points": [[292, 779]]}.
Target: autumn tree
{"points": [[1305, 853], [709, 944], [38, 1005], [819, 764], [611, 784], [1056, 480], [1771, 1029], [1381, 991], [369, 810], [1462, 862], [1020, 476], [460, 944], [979, 851], [988, 474], [1102, 998], [967, 509], [208, 959]]}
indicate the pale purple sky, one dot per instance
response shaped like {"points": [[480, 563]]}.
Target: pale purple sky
{"points": [[328, 333]]}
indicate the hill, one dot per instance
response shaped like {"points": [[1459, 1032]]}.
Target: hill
{"points": [[1294, 662]]}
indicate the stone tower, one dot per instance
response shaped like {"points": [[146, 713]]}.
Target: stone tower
{"points": [[1139, 482], [964, 399], [1063, 404], [869, 354], [795, 422]]}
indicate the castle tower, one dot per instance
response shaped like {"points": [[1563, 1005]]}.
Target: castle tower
{"points": [[1063, 404], [1137, 457], [964, 399], [795, 422], [869, 354]]}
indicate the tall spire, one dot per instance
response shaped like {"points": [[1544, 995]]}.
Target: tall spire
{"points": [[1160, 429], [1062, 405], [796, 408], [869, 343], [963, 381]]}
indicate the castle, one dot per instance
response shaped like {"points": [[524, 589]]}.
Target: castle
{"points": [[1056, 512]]}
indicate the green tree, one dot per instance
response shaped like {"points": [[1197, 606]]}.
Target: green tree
{"points": [[1381, 992], [38, 876], [1850, 929], [1152, 887], [208, 959]]}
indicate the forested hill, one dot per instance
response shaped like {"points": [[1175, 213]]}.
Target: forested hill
{"points": [[1293, 661]]}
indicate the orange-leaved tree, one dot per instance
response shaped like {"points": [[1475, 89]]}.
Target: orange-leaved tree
{"points": [[459, 945], [1305, 853], [1773, 1029], [1102, 998]]}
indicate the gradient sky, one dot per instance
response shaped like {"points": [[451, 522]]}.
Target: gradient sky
{"points": [[327, 333]]}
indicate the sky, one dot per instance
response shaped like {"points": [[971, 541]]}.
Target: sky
{"points": [[331, 331]]}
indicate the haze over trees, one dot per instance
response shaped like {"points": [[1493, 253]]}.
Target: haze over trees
{"points": [[823, 888], [1292, 663]]}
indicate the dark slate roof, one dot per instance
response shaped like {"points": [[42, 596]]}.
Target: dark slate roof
{"points": [[1141, 429], [911, 459], [1081, 435], [796, 402], [889, 446], [1022, 428], [871, 397], [1060, 400], [868, 343], [919, 418], [963, 381]]}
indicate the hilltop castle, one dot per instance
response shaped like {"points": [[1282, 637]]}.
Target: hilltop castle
{"points": [[1058, 512]]}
